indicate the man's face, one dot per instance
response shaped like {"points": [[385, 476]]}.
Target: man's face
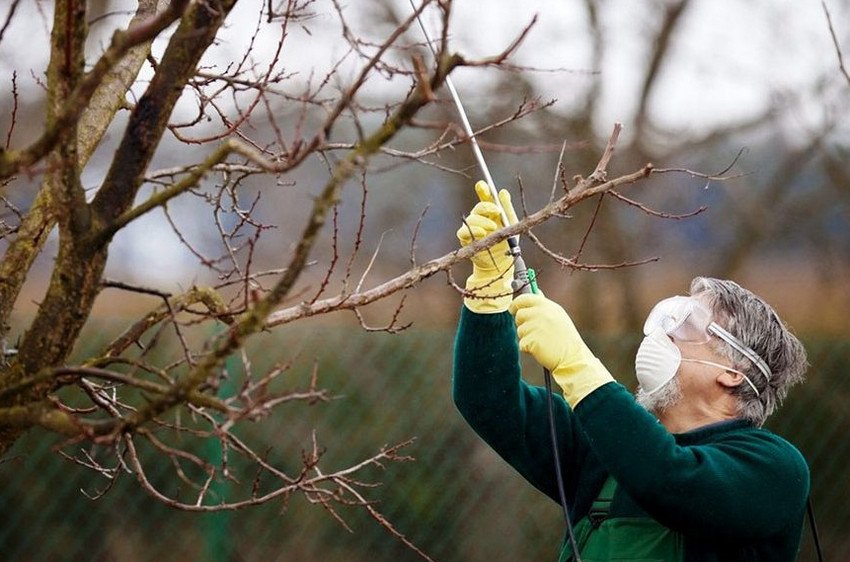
{"points": [[699, 379], [678, 355]]}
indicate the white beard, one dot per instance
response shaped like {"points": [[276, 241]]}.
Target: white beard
{"points": [[662, 399]]}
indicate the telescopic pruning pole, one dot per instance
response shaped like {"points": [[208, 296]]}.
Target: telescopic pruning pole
{"points": [[524, 278], [524, 281]]}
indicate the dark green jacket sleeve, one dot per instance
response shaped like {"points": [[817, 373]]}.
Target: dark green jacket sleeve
{"points": [[745, 484], [509, 414]]}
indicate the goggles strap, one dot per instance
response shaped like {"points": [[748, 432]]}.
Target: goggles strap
{"points": [[735, 343], [725, 368]]}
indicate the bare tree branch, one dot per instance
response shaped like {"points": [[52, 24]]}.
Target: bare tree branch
{"points": [[835, 42], [13, 161], [422, 272], [661, 49]]}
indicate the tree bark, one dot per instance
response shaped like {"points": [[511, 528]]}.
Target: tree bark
{"points": [[75, 281], [107, 100]]}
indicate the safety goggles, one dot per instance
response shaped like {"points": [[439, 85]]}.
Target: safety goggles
{"points": [[687, 319]]}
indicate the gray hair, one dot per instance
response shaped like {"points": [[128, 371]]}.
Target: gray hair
{"points": [[757, 325]]}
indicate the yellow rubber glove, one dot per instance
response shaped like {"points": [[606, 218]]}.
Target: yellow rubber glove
{"points": [[547, 333], [492, 269]]}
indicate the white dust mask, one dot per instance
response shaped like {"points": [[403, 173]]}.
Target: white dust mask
{"points": [[657, 361]]}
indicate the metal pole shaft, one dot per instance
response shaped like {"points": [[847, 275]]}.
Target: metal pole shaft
{"points": [[476, 150]]}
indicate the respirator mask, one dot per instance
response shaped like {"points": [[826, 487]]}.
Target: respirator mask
{"points": [[685, 319]]}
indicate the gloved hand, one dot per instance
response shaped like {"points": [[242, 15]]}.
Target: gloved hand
{"points": [[547, 333], [492, 269]]}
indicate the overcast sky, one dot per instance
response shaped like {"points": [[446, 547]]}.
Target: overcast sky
{"points": [[731, 56]]}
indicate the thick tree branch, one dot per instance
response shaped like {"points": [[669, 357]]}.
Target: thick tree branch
{"points": [[95, 120], [111, 94], [149, 118], [72, 289], [13, 161], [70, 292], [70, 374], [41, 414]]}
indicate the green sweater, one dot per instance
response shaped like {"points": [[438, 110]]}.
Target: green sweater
{"points": [[735, 492]]}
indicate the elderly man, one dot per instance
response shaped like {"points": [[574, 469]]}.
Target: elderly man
{"points": [[681, 471]]}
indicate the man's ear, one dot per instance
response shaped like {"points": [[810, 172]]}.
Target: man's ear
{"points": [[729, 379]]}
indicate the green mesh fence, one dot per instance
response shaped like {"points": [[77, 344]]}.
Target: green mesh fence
{"points": [[457, 501]]}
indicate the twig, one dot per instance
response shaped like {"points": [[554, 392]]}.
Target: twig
{"points": [[371, 262], [838, 52], [600, 174], [14, 89], [566, 262], [377, 516], [589, 228], [655, 213], [416, 235], [710, 177], [109, 283], [361, 224], [334, 257], [558, 171], [391, 327]]}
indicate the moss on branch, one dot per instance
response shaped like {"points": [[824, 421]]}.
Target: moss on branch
{"points": [[94, 121], [149, 118], [75, 281]]}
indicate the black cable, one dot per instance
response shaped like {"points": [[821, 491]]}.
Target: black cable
{"points": [[525, 282], [547, 377], [811, 510]]}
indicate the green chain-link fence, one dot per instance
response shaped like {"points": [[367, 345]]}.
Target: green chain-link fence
{"points": [[457, 501]]}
